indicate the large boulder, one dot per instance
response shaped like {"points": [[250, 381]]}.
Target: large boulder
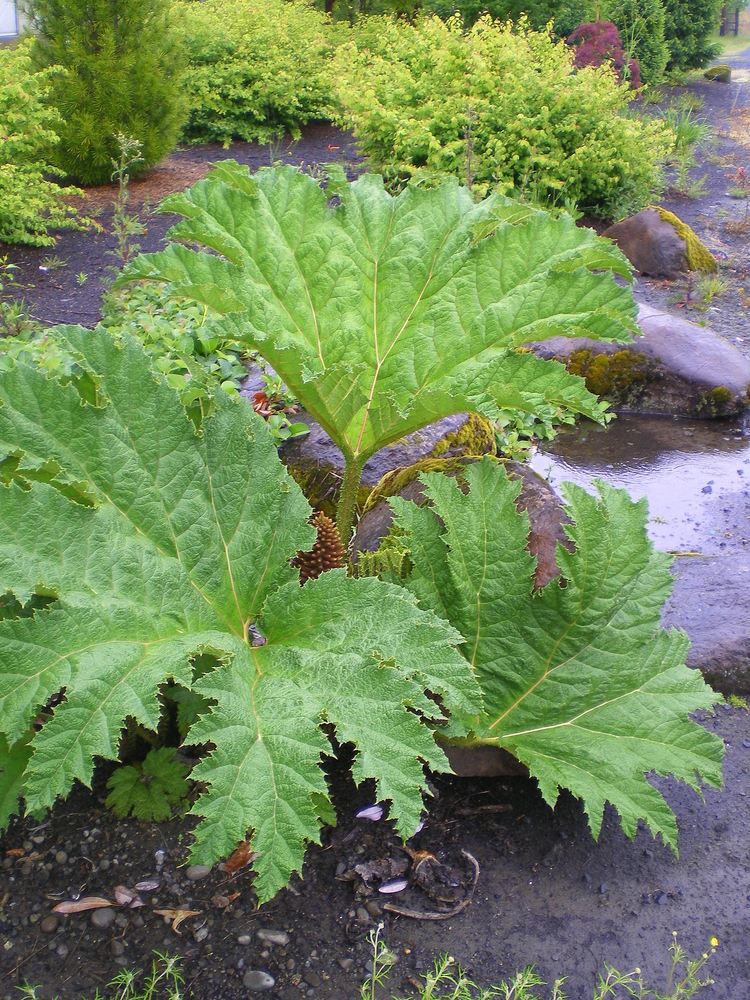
{"points": [[659, 244], [676, 367]]}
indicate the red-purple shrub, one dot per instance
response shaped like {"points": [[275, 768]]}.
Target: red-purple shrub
{"points": [[599, 42]]}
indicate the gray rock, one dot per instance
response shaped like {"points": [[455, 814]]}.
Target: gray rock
{"points": [[690, 369], [62, 951], [121, 921], [198, 872], [49, 924], [104, 864], [362, 915], [258, 980], [201, 934], [103, 918], [652, 245], [346, 963], [61, 858], [312, 978], [244, 939], [118, 948], [280, 938]]}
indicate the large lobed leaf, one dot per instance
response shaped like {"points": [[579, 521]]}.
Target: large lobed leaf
{"points": [[579, 680], [384, 314], [188, 546]]}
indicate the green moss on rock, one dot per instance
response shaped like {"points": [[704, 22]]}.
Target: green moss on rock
{"points": [[699, 257], [616, 377]]}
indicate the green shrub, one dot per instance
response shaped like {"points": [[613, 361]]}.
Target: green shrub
{"points": [[255, 68], [537, 126], [641, 27], [124, 67], [30, 203], [688, 26]]}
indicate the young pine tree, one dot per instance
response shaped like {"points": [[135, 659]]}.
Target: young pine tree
{"points": [[688, 25], [124, 65]]}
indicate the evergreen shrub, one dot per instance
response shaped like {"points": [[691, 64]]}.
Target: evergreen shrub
{"points": [[688, 25], [124, 68]]}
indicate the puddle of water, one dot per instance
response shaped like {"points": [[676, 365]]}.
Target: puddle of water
{"points": [[684, 467]]}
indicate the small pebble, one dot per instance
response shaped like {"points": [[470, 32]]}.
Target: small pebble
{"points": [[121, 921], [374, 909], [341, 866], [346, 963], [603, 888], [137, 920], [104, 864], [61, 858], [28, 846], [258, 980], [61, 951], [312, 978], [662, 899], [362, 915], [198, 872], [746, 744], [274, 937], [103, 918], [39, 839], [201, 934], [49, 924], [118, 948], [244, 939]]}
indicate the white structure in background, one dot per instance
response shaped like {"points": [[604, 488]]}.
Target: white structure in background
{"points": [[11, 22]]}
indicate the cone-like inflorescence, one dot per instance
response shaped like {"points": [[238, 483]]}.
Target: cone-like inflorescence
{"points": [[327, 552]]}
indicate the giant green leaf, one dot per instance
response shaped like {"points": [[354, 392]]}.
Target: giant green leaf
{"points": [[186, 552], [579, 680], [384, 314]]}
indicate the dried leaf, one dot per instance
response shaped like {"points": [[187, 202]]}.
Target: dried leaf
{"points": [[177, 916], [15, 852], [373, 813], [80, 905], [239, 858]]}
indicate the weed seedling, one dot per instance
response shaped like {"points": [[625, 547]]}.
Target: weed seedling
{"points": [[124, 225], [82, 278]]}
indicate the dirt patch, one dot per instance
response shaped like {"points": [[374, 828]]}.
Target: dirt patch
{"points": [[58, 295], [547, 893]]}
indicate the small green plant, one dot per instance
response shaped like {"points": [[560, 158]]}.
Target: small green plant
{"points": [[162, 983], [148, 790], [382, 959], [711, 287], [688, 132], [124, 225], [736, 702], [52, 263], [81, 278], [15, 316], [741, 188], [446, 980]]}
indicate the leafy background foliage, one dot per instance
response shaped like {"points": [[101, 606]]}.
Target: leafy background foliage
{"points": [[123, 67], [579, 682], [183, 542], [255, 69], [411, 93], [30, 202], [149, 789]]}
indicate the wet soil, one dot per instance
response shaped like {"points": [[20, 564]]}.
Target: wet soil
{"points": [[547, 893], [56, 295]]}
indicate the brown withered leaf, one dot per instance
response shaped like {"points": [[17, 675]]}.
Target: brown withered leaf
{"points": [[239, 858], [15, 852], [80, 905], [177, 916]]}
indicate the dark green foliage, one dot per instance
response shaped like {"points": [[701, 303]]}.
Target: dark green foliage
{"points": [[124, 67], [641, 27], [688, 25], [149, 789]]}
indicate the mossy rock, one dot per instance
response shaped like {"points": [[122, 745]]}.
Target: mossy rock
{"points": [[721, 73], [699, 257], [617, 377]]}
